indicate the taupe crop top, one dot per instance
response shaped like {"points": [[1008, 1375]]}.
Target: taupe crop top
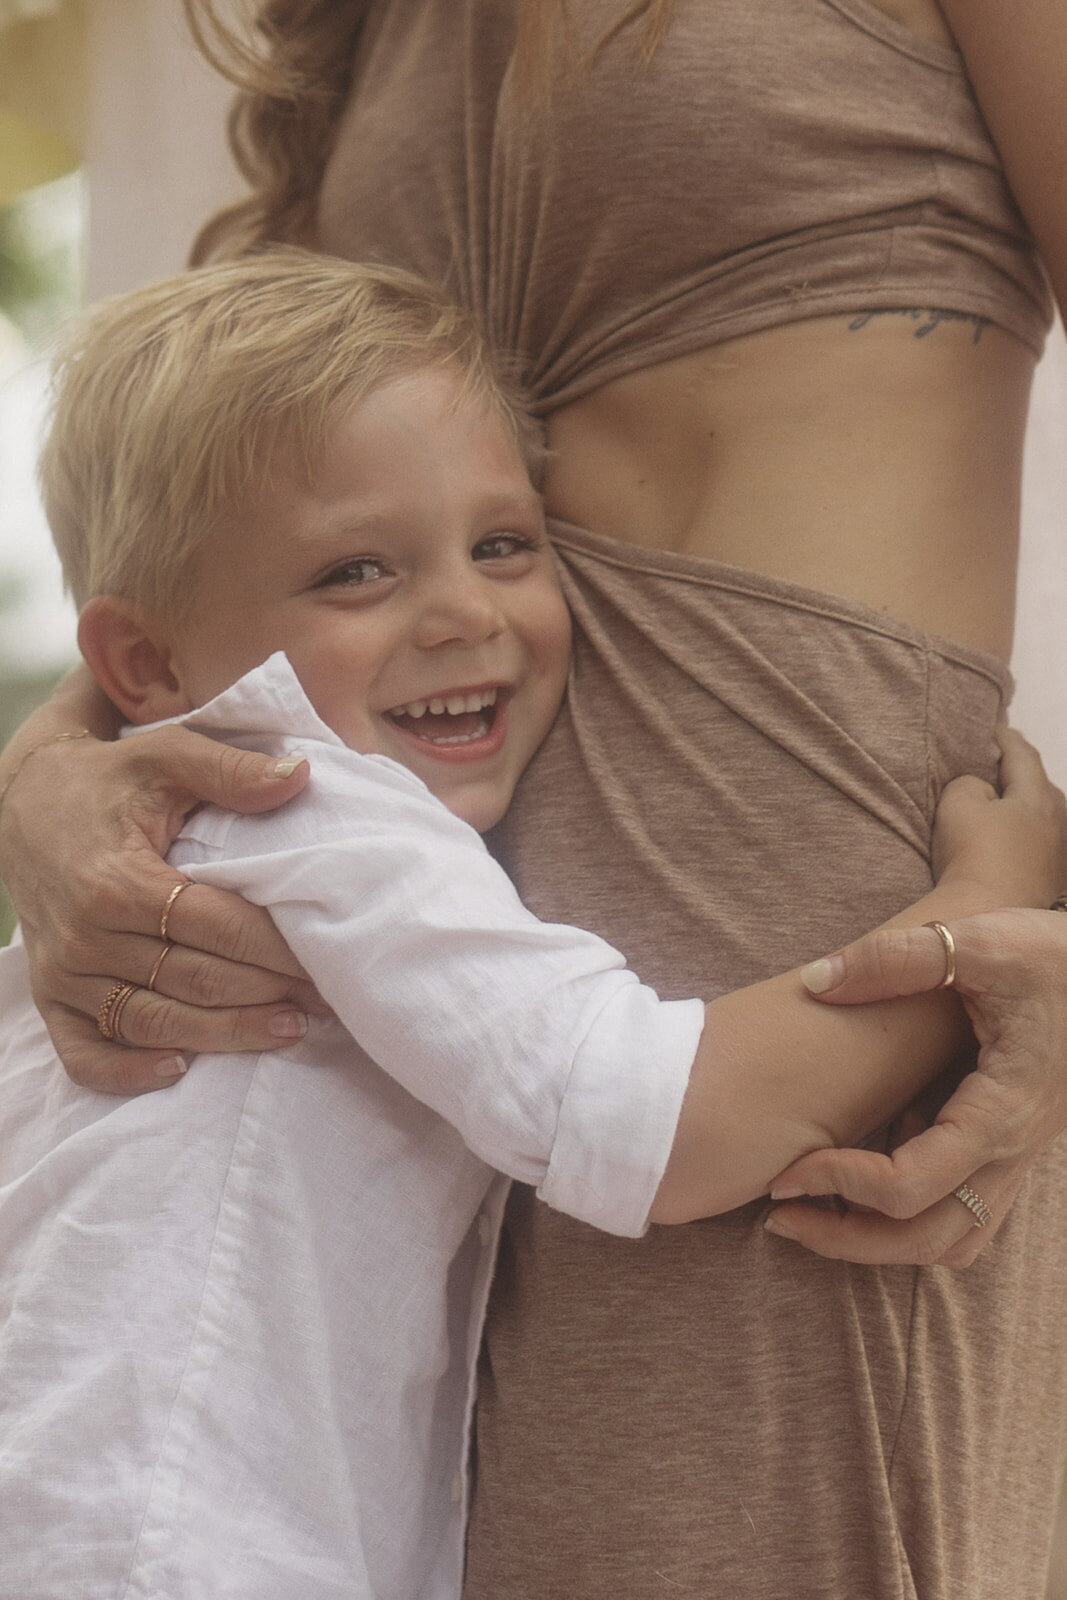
{"points": [[780, 160]]}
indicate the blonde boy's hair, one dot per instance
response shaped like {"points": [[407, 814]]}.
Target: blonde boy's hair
{"points": [[171, 403]]}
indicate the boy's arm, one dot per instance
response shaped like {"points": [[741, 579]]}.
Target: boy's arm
{"points": [[536, 1043], [771, 1083]]}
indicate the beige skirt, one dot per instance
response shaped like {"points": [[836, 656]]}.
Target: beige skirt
{"points": [[744, 777]]}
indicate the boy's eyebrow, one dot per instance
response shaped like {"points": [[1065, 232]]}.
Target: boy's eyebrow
{"points": [[365, 523]]}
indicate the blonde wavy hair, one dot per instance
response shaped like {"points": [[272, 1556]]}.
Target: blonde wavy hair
{"points": [[291, 61], [171, 402]]}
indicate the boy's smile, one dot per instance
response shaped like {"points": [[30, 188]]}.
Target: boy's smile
{"points": [[410, 581]]}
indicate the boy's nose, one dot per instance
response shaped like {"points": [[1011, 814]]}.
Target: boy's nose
{"points": [[465, 610]]}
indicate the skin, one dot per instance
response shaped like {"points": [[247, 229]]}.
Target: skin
{"points": [[1010, 977], [411, 566], [931, 475]]}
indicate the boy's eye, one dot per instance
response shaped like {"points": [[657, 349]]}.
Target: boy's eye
{"points": [[354, 574], [499, 546]]}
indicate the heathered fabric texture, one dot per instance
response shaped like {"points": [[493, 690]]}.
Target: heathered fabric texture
{"points": [[779, 160], [744, 778]]}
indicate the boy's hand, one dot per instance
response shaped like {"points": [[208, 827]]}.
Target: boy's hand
{"points": [[1011, 845], [82, 832]]}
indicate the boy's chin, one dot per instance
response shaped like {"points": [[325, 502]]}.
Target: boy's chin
{"points": [[479, 811]]}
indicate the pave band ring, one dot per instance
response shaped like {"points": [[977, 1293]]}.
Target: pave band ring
{"points": [[112, 1006], [950, 953], [974, 1203]]}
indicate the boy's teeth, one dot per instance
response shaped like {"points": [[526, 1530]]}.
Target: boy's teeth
{"points": [[456, 704]]}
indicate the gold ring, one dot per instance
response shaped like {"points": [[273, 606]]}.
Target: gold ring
{"points": [[111, 1008], [974, 1203], [167, 904], [950, 953], [119, 1007], [162, 956]]}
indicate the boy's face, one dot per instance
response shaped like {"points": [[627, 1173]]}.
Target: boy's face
{"points": [[412, 587]]}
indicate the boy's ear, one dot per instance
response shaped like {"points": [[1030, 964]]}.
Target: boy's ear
{"points": [[128, 652]]}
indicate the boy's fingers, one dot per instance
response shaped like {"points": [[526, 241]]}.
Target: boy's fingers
{"points": [[1019, 761]]}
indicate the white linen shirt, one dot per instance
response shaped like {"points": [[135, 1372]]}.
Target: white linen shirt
{"points": [[239, 1319]]}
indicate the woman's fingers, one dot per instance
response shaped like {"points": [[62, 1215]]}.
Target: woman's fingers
{"points": [[212, 922], [190, 768], [883, 965], [914, 1214], [108, 1068], [964, 1139], [186, 975], [222, 924], [151, 1022], [942, 1235]]}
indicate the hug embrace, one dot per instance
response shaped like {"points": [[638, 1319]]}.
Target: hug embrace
{"points": [[733, 702]]}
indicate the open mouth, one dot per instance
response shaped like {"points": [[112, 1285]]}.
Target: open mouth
{"points": [[452, 720]]}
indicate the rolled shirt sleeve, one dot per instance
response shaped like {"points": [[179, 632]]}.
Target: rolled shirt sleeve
{"points": [[532, 1039]]}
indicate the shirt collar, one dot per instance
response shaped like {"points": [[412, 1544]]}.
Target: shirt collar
{"points": [[268, 700]]}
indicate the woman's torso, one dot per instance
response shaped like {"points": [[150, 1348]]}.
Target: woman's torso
{"points": [[743, 777], [751, 410], [740, 779]]}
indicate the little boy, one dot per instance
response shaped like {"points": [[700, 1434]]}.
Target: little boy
{"points": [[239, 1321]]}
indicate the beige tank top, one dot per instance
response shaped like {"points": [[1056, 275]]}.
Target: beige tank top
{"points": [[779, 160]]}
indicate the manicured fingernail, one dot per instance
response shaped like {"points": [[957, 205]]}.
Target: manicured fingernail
{"points": [[288, 1025], [787, 1192], [286, 768], [782, 1229], [173, 1067], [822, 975]]}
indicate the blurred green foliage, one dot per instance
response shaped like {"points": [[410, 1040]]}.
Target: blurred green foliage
{"points": [[40, 257], [18, 697], [40, 282]]}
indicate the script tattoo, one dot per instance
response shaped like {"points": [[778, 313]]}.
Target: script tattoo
{"points": [[928, 319]]}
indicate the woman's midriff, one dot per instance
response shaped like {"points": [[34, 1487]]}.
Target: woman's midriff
{"points": [[876, 459]]}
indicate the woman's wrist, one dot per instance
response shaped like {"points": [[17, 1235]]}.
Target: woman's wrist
{"points": [[78, 705], [42, 744]]}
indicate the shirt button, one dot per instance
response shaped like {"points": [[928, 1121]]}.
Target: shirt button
{"points": [[485, 1231], [457, 1488]]}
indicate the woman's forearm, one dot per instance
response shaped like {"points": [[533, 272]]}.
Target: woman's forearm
{"points": [[771, 1081]]}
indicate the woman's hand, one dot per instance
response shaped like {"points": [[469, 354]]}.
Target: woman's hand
{"points": [[1012, 978], [83, 828]]}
